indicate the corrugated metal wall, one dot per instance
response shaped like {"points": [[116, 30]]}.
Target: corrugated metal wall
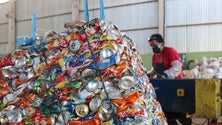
{"points": [[3, 29], [194, 25], [51, 15], [191, 25]]}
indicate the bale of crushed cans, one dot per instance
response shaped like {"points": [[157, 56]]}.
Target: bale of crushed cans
{"points": [[90, 75]]}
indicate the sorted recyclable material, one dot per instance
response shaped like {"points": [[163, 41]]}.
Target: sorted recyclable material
{"points": [[205, 69], [91, 74]]}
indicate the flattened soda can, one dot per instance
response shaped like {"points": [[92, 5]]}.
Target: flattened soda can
{"points": [[94, 104], [82, 110]]}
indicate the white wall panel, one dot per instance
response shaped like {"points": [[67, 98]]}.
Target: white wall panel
{"points": [[3, 12], [177, 38], [51, 15], [204, 38], [94, 4], [176, 12], [42, 8], [3, 33], [55, 23], [3, 28], [24, 28], [130, 17], [194, 25], [195, 38], [183, 12], [3, 49]]}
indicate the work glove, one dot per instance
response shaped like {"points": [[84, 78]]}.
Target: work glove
{"points": [[164, 76]]}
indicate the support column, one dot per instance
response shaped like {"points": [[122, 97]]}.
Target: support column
{"points": [[11, 26], [75, 10], [161, 13]]}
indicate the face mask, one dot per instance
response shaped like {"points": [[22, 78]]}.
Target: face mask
{"points": [[156, 49]]}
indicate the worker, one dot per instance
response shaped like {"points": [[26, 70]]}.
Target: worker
{"points": [[165, 61]]}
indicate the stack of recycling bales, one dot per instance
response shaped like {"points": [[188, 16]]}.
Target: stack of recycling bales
{"points": [[89, 75]]}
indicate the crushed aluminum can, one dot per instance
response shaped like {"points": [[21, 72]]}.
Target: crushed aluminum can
{"points": [[119, 48], [49, 36], [48, 121], [3, 119], [51, 120], [54, 53], [61, 42], [139, 105], [83, 93], [20, 62], [11, 107], [37, 89], [65, 103], [4, 91], [94, 104], [107, 106], [8, 72], [106, 52], [103, 94], [115, 33], [93, 85], [82, 110], [105, 25], [109, 122], [8, 98], [74, 45], [112, 90], [82, 36], [25, 76], [68, 106], [35, 64], [14, 116], [142, 120], [118, 58], [63, 117], [126, 82], [37, 101], [30, 75], [6, 61], [45, 82], [88, 73], [90, 31], [104, 116]]}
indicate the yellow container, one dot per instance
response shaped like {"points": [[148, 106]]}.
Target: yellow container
{"points": [[208, 98]]}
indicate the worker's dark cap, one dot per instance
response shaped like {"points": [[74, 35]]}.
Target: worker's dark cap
{"points": [[156, 37]]}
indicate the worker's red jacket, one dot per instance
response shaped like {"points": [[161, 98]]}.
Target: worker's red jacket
{"points": [[170, 58]]}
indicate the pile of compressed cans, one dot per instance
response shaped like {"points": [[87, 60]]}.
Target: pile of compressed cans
{"points": [[91, 74]]}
